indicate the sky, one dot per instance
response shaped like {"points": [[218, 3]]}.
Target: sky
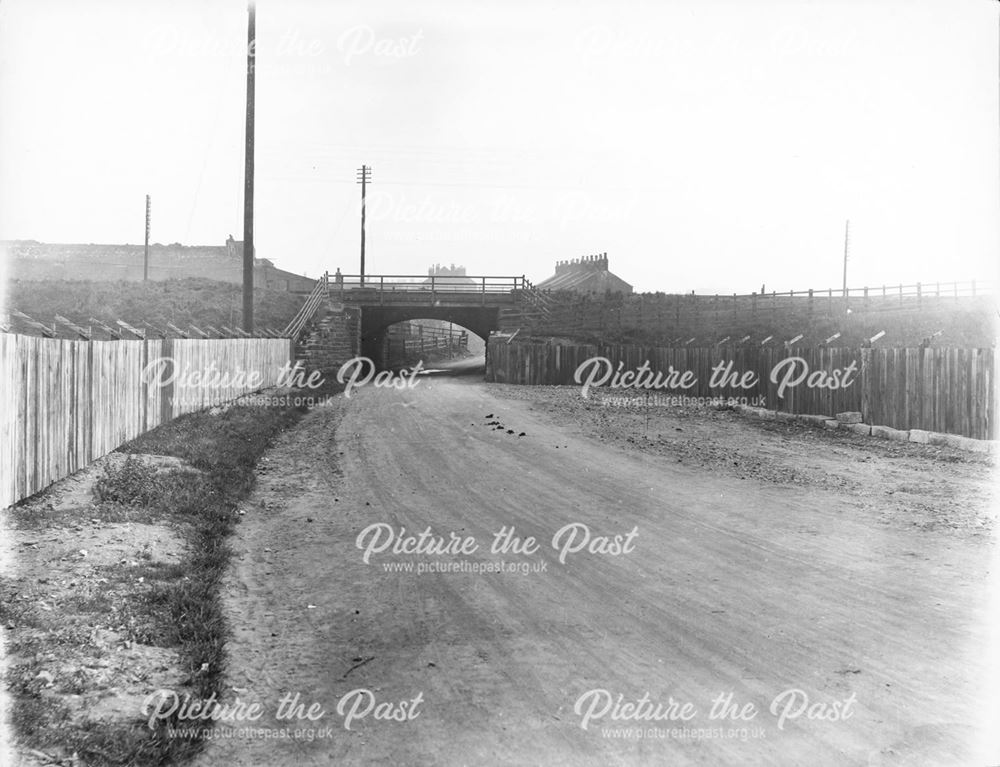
{"points": [[710, 145]]}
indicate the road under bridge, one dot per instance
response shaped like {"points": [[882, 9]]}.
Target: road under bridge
{"points": [[473, 302]]}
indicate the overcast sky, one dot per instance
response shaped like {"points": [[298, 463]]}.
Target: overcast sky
{"points": [[704, 145]]}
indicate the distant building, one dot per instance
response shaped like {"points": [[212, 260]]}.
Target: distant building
{"points": [[455, 275], [32, 260], [234, 248], [585, 275]]}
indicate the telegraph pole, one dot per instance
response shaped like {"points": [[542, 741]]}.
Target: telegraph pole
{"points": [[847, 239], [145, 253], [364, 176], [248, 177]]}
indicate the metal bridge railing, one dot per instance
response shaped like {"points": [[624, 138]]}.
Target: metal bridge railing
{"points": [[402, 286]]}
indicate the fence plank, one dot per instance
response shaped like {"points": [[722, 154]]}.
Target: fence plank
{"points": [[70, 402], [948, 390]]}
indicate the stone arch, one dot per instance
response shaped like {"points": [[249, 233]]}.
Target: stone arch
{"points": [[375, 320]]}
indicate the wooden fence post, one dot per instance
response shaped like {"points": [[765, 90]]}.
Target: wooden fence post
{"points": [[866, 384]]}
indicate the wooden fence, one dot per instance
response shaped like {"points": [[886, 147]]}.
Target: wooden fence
{"points": [[954, 391], [66, 403], [963, 312]]}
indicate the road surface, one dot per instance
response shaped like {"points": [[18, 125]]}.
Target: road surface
{"points": [[724, 587]]}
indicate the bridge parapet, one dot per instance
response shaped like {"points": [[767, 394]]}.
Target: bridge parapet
{"points": [[380, 300], [420, 289]]}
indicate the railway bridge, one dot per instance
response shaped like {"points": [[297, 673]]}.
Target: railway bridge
{"points": [[381, 300]]}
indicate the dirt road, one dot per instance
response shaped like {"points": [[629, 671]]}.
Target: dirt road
{"points": [[727, 585]]}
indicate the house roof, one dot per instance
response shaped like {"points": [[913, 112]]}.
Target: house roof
{"points": [[585, 275]]}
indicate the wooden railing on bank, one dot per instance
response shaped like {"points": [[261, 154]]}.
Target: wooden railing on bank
{"points": [[900, 293], [413, 329], [421, 344], [411, 340], [67, 403], [907, 313], [948, 390], [319, 292]]}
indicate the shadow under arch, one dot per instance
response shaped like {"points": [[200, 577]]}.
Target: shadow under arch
{"points": [[376, 320]]}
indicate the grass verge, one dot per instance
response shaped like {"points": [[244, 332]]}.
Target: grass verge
{"points": [[142, 603]]}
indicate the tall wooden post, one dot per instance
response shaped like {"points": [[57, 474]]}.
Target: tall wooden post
{"points": [[847, 237], [145, 252], [364, 176], [248, 249]]}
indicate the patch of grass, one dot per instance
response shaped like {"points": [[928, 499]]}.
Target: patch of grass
{"points": [[131, 599], [94, 604], [46, 724], [130, 482], [174, 605], [226, 447]]}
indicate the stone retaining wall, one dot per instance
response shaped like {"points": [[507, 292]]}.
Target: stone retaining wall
{"points": [[846, 422]]}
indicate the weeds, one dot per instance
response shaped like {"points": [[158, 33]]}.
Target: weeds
{"points": [[191, 300], [131, 482], [176, 606]]}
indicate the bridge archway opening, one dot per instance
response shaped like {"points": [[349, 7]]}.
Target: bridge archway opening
{"points": [[439, 345], [384, 332]]}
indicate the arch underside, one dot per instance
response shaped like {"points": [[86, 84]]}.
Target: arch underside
{"points": [[375, 321]]}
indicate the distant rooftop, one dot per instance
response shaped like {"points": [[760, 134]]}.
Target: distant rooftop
{"points": [[446, 271], [589, 274], [457, 273]]}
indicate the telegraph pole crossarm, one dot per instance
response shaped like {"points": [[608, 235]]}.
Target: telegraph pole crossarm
{"points": [[364, 178]]}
